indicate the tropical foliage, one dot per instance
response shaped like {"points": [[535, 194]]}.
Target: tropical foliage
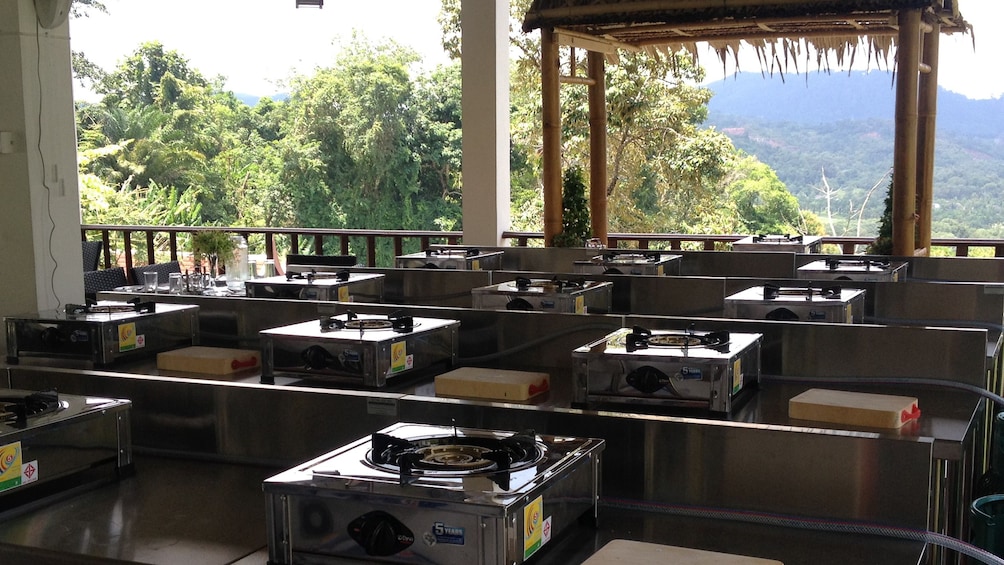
{"points": [[369, 142]]}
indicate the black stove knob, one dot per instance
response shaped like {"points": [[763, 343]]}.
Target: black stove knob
{"points": [[316, 357], [380, 534], [51, 337], [647, 379]]}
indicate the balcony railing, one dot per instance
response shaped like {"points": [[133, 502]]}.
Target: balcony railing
{"points": [[152, 244]]}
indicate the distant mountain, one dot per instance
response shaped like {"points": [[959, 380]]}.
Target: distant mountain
{"points": [[252, 99], [817, 98], [820, 131]]}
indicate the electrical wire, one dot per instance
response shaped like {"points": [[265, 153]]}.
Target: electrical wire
{"points": [[817, 524], [41, 155]]}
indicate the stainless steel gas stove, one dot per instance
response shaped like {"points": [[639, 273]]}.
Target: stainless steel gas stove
{"points": [[101, 333], [876, 270], [340, 286], [415, 493], [630, 263], [792, 243], [459, 258], [807, 304], [361, 349], [668, 368], [548, 295], [51, 444]]}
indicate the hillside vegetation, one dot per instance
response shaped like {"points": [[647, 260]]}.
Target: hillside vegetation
{"points": [[830, 140]]}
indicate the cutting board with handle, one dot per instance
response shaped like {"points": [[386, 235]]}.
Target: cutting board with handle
{"points": [[854, 408], [209, 360], [492, 384], [626, 552]]}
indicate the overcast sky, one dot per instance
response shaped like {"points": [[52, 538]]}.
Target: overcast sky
{"points": [[256, 44]]}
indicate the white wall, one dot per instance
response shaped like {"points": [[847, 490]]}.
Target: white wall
{"points": [[39, 213]]}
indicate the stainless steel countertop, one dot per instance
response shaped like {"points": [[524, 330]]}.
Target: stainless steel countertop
{"points": [[200, 512]]}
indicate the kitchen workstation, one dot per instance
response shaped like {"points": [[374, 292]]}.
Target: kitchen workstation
{"points": [[434, 424]]}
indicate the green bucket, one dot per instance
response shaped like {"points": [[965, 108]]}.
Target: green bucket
{"points": [[988, 523]]}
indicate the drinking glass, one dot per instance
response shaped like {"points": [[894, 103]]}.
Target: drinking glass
{"points": [[175, 284], [150, 281]]}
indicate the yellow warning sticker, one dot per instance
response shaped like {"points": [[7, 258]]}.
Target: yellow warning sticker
{"points": [[533, 527], [737, 376], [475, 265], [127, 336], [343, 294], [10, 466], [580, 304], [398, 357]]}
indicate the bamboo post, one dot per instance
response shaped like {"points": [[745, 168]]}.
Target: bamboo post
{"points": [[904, 192], [598, 146], [551, 150], [927, 118]]}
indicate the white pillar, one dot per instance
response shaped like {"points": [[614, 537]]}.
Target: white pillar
{"points": [[40, 213], [485, 107]]}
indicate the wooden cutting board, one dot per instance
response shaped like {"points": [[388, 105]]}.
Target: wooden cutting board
{"points": [[854, 408], [626, 552], [209, 360], [492, 384]]}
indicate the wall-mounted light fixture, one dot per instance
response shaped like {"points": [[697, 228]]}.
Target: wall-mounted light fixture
{"points": [[310, 3]]}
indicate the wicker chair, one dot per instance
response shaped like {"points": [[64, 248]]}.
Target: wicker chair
{"points": [[92, 254], [162, 270], [104, 279]]}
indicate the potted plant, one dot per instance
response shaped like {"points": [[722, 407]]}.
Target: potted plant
{"points": [[575, 228], [212, 245]]}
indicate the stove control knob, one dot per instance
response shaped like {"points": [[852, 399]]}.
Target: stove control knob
{"points": [[316, 357], [51, 337], [380, 534], [647, 379]]}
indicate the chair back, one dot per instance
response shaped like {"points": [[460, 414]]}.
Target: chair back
{"points": [[162, 270], [91, 251], [103, 279]]}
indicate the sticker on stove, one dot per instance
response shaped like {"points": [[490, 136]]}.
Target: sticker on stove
{"points": [[343, 294], [580, 304], [533, 527], [10, 466], [737, 375], [400, 360], [475, 265], [29, 472], [128, 339], [442, 533], [849, 315]]}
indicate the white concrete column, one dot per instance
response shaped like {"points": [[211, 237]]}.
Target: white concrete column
{"points": [[40, 212], [485, 107]]}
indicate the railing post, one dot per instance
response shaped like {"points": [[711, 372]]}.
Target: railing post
{"points": [[270, 246], [294, 243], [709, 245], [106, 242], [150, 259], [371, 251], [344, 242], [424, 242], [962, 250], [318, 244], [398, 249], [172, 243], [127, 244]]}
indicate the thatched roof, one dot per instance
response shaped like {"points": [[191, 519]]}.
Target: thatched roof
{"points": [[828, 25]]}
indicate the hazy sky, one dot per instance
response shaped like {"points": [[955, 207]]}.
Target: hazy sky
{"points": [[256, 44]]}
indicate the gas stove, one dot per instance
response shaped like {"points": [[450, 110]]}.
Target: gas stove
{"points": [[793, 243], [714, 371], [416, 493], [834, 268], [362, 349], [339, 286], [630, 263], [449, 257], [549, 295], [51, 443], [807, 304], [101, 333]]}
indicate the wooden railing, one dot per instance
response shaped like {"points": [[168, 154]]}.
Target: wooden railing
{"points": [[152, 244]]}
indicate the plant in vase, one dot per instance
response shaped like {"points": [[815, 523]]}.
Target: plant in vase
{"points": [[214, 247]]}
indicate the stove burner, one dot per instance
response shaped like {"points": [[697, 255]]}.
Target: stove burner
{"points": [[868, 264], [641, 338], [772, 292], [554, 285], [15, 410], [395, 321], [341, 276], [786, 238], [455, 456], [134, 305], [627, 258]]}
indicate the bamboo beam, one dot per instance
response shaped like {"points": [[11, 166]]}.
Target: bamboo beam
{"points": [[551, 149], [904, 192], [590, 42], [927, 113], [598, 147]]}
